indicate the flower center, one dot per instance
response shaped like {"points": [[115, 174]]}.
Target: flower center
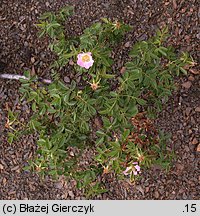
{"points": [[85, 58]]}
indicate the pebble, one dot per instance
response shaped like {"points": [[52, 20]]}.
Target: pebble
{"points": [[67, 79], [71, 194], [191, 78], [195, 141], [127, 44], [156, 194], [58, 185], [187, 84], [197, 109]]}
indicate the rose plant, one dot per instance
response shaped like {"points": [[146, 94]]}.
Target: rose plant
{"points": [[65, 116]]}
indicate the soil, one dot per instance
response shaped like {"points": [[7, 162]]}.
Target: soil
{"points": [[21, 49]]}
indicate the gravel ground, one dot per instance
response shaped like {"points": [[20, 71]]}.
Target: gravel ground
{"points": [[20, 49]]}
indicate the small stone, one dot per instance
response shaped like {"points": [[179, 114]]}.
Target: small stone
{"points": [[194, 71], [47, 4], [197, 109], [147, 189], [156, 194], [179, 167], [123, 70], [139, 188], [32, 59], [71, 153], [67, 79], [26, 44], [194, 141], [71, 62], [187, 84], [71, 194], [98, 123], [143, 37], [187, 111], [1, 167], [78, 79], [16, 168], [198, 148], [127, 44], [174, 4], [190, 131], [58, 185], [4, 181], [191, 78]]}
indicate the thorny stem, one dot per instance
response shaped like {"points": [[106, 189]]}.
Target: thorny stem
{"points": [[18, 77]]}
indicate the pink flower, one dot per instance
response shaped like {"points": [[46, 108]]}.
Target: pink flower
{"points": [[85, 60], [126, 171], [134, 168]]}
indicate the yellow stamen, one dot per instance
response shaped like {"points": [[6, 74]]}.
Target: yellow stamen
{"points": [[85, 58]]}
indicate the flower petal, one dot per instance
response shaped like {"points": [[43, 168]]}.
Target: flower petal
{"points": [[135, 172], [89, 53], [89, 64], [137, 168], [82, 63], [125, 172]]}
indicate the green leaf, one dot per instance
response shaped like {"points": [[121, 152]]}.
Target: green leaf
{"points": [[100, 141], [126, 134], [105, 20], [27, 74], [41, 142], [106, 122], [135, 74], [133, 111], [100, 133], [183, 71], [108, 76], [106, 111], [106, 61], [34, 107], [162, 50], [113, 94], [11, 137], [51, 110], [32, 96], [141, 101]]}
